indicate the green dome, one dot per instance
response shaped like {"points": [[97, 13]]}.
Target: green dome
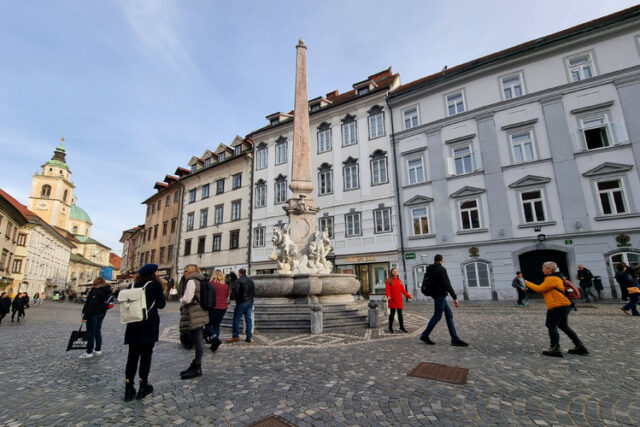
{"points": [[57, 163], [80, 214]]}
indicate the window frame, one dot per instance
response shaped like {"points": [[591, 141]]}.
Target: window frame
{"points": [[542, 200], [204, 217], [325, 179], [349, 122], [190, 221], [377, 157], [373, 113], [234, 239], [261, 158], [414, 117], [192, 198], [220, 186], [217, 238], [201, 248], [330, 230], [354, 215], [281, 151], [413, 217], [280, 191], [261, 199], [236, 210], [461, 212], [611, 199], [324, 129], [512, 145], [447, 102], [218, 214], [350, 176], [477, 274], [382, 211], [187, 247], [589, 54], [511, 76], [258, 237], [409, 169], [236, 177], [604, 115], [205, 194]]}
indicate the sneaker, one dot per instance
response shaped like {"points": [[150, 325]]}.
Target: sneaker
{"points": [[580, 350], [426, 340], [86, 355], [553, 351], [459, 343], [97, 352], [626, 312], [233, 339]]}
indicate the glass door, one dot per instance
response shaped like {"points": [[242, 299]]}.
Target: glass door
{"points": [[379, 274], [363, 276]]}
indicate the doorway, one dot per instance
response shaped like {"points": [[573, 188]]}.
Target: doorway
{"points": [[531, 266]]}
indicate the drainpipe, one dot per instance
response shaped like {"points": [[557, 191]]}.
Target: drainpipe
{"points": [[179, 229], [250, 234], [395, 167]]}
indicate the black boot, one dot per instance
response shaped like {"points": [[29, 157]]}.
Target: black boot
{"points": [[554, 351], [193, 362], [195, 371], [145, 389], [580, 349], [215, 344], [129, 391]]}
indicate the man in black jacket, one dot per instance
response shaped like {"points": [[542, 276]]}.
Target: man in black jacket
{"points": [[440, 286], [586, 283], [245, 290]]}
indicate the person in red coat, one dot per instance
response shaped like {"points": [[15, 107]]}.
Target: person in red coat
{"points": [[395, 289]]}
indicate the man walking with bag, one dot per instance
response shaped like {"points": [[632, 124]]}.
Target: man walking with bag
{"points": [[245, 290], [586, 283], [436, 281]]}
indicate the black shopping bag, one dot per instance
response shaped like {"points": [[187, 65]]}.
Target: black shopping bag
{"points": [[79, 340]]}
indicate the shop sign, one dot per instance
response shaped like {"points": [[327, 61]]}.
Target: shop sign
{"points": [[361, 258], [410, 255]]}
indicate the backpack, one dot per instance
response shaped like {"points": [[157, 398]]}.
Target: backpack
{"points": [[426, 287], [133, 307], [108, 303], [570, 290], [207, 297]]}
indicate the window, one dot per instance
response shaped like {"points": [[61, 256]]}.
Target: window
{"points": [[148, 210], [382, 220], [629, 258], [153, 208], [159, 205], [153, 256], [173, 225], [522, 147], [611, 196], [168, 201], [236, 181], [595, 131], [477, 274], [187, 247], [350, 174], [581, 67], [462, 160], [161, 260], [420, 221], [207, 162], [376, 122], [261, 194], [416, 171], [455, 103], [326, 223], [217, 242], [281, 151], [261, 158], [237, 150], [219, 214], [280, 190], [201, 241], [363, 90], [192, 196], [234, 242], [45, 193], [17, 266], [379, 168], [65, 195], [325, 179], [221, 156], [532, 206], [418, 273], [205, 191], [204, 214], [352, 224], [164, 228], [155, 231], [410, 116], [469, 215], [194, 167], [511, 86], [349, 133], [258, 237], [235, 210], [22, 239], [324, 138], [170, 253], [176, 197], [190, 216], [220, 186]]}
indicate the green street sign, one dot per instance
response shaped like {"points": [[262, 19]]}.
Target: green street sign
{"points": [[410, 255], [568, 242]]}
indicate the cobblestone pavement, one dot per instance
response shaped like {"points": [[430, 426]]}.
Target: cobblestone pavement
{"points": [[355, 377]]}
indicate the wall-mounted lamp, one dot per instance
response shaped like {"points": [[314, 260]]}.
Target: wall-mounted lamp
{"points": [[542, 237]]}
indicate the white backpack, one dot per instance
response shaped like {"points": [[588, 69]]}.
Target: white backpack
{"points": [[133, 304]]}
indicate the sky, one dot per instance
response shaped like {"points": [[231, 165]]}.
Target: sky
{"points": [[137, 87]]}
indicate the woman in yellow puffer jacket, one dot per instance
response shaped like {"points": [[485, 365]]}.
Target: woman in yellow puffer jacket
{"points": [[558, 308]]}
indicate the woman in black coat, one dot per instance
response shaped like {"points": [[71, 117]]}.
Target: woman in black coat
{"points": [[142, 336], [5, 305], [93, 312]]}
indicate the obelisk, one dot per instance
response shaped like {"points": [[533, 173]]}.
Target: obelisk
{"points": [[301, 207]]}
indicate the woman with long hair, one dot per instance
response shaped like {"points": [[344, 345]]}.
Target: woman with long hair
{"points": [[142, 336], [217, 313], [394, 290], [93, 312], [193, 318]]}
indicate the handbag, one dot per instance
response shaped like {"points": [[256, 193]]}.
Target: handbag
{"points": [[633, 290], [79, 339]]}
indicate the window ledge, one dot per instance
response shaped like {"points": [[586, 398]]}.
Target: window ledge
{"points": [[537, 224], [618, 146], [618, 216], [474, 173], [422, 236], [525, 164], [417, 184], [380, 183], [477, 230]]}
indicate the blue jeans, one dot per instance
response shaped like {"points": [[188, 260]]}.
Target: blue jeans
{"points": [[243, 308], [440, 306], [215, 318], [94, 326], [632, 304]]}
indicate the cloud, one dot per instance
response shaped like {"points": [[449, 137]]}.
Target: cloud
{"points": [[158, 25]]}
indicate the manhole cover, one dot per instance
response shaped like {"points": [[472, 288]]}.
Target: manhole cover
{"points": [[272, 421], [445, 373]]}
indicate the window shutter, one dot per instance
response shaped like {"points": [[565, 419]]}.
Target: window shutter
{"points": [[451, 166]]}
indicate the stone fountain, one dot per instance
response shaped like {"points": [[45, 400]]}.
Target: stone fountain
{"points": [[304, 291]]}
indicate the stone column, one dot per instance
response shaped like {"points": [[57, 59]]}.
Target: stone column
{"points": [[316, 319]]}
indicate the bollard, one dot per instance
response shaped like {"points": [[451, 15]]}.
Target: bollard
{"points": [[316, 319], [373, 314]]}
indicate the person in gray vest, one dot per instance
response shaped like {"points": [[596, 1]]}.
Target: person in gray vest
{"points": [[521, 288], [193, 318]]}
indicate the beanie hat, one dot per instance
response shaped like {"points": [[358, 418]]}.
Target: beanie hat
{"points": [[148, 269]]}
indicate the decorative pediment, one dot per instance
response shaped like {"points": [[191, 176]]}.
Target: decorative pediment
{"points": [[350, 161], [466, 192], [223, 148], [194, 160], [261, 146], [375, 109], [238, 140], [378, 153], [281, 140], [608, 168], [323, 126], [529, 180], [324, 166], [207, 154], [418, 200], [348, 118], [281, 177], [260, 182]]}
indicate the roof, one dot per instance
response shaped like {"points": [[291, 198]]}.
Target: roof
{"points": [[82, 260], [89, 241], [516, 50], [79, 213], [22, 209], [383, 80], [115, 261]]}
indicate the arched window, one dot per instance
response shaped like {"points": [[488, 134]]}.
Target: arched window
{"points": [[45, 193], [631, 259], [419, 272], [64, 196], [75, 229], [477, 275]]}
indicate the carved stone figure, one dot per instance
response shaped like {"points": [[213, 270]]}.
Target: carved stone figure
{"points": [[285, 250]]}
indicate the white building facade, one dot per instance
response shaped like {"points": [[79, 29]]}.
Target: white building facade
{"points": [[524, 156], [353, 176]]}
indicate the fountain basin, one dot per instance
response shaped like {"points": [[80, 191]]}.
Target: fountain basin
{"points": [[304, 285]]}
